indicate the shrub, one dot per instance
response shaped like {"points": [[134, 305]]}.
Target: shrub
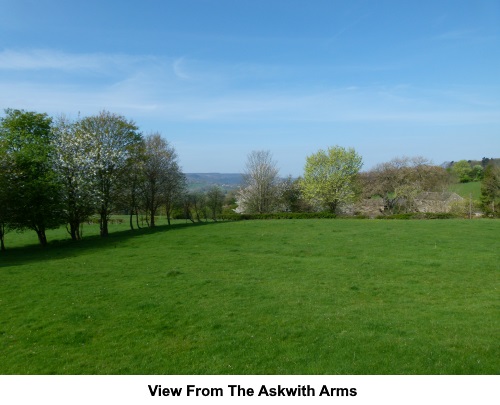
{"points": [[421, 215], [279, 215]]}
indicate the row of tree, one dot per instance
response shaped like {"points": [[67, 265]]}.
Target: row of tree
{"points": [[465, 172], [329, 181], [332, 181], [490, 190], [55, 172]]}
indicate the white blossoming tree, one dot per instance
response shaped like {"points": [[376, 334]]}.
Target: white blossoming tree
{"points": [[75, 158], [112, 138]]}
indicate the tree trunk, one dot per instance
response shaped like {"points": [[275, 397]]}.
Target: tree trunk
{"points": [[2, 234], [333, 206], [42, 238], [130, 219], [152, 222], [74, 230], [103, 224], [137, 218]]}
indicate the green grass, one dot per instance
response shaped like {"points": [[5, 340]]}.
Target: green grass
{"points": [[466, 189], [255, 297]]}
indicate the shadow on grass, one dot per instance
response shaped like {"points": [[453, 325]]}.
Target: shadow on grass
{"points": [[59, 249]]}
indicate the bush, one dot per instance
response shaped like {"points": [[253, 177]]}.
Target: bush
{"points": [[278, 215], [462, 209], [421, 215], [328, 215]]}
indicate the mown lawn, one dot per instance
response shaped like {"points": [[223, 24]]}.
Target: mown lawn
{"points": [[256, 297]]}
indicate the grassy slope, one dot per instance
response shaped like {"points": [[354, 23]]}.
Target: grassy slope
{"points": [[466, 189], [257, 297]]}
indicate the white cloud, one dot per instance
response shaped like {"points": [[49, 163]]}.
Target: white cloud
{"points": [[46, 59], [178, 68], [466, 35], [149, 87]]}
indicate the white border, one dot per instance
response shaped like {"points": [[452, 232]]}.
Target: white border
{"points": [[124, 390]]}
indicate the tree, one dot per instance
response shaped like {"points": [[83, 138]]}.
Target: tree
{"points": [[159, 162], [291, 198], [400, 180], [463, 170], [32, 191], [134, 178], [73, 151], [175, 187], [330, 177], [230, 202], [197, 202], [477, 173], [4, 200], [113, 138], [215, 201], [490, 190], [259, 193]]}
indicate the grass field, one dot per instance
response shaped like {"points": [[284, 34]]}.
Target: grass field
{"points": [[256, 297], [466, 190]]}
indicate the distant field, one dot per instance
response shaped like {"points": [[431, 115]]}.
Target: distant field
{"points": [[466, 189], [255, 297]]}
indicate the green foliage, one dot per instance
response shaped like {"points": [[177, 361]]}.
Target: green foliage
{"points": [[422, 215], [255, 297], [399, 181], [74, 166], [477, 173], [465, 208], [463, 171], [330, 177], [30, 187], [279, 215], [160, 174], [4, 199], [214, 201], [490, 191], [291, 197], [113, 137]]}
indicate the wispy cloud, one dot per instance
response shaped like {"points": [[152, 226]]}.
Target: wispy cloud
{"points": [[347, 27], [179, 70], [46, 59], [467, 35], [159, 89]]}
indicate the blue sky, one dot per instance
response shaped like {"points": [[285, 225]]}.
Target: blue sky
{"points": [[220, 78]]}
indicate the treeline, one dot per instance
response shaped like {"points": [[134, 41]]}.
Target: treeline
{"points": [[466, 171], [332, 182], [57, 172]]}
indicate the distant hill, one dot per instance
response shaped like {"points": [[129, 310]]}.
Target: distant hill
{"points": [[483, 162], [203, 181]]}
